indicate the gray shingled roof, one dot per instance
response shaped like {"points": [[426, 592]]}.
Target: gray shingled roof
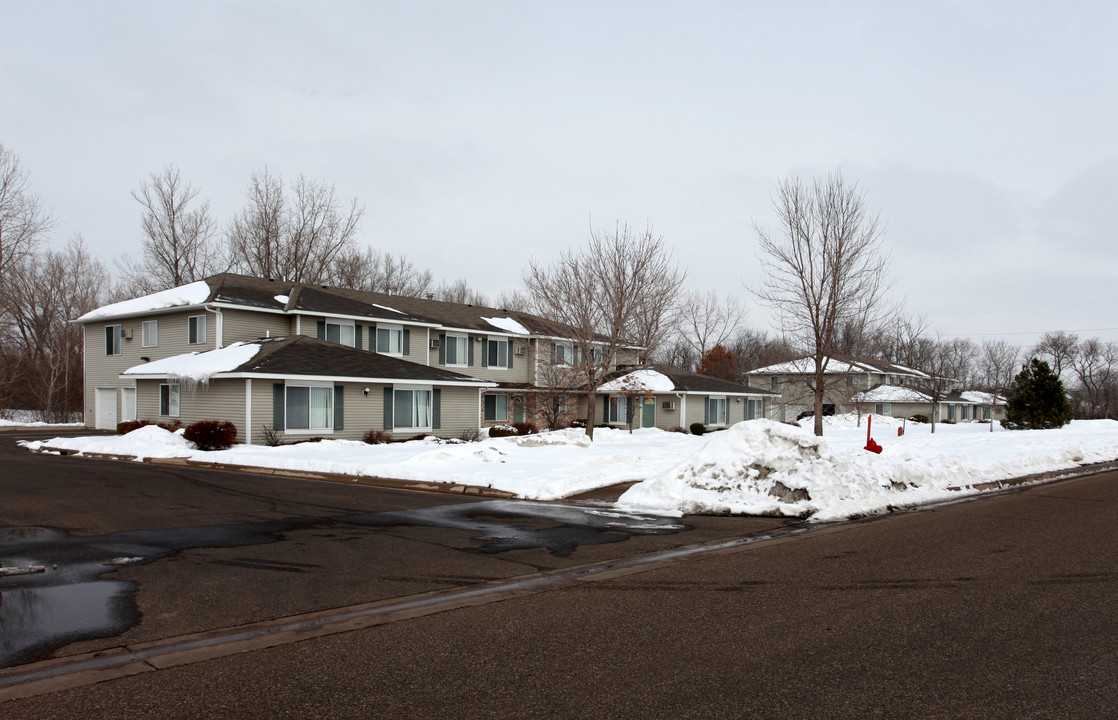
{"points": [[302, 355], [258, 292], [687, 381]]}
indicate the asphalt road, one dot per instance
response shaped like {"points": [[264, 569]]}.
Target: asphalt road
{"points": [[1003, 607]]}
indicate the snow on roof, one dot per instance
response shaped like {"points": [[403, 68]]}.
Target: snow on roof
{"points": [[508, 325], [981, 398], [199, 366], [654, 381], [385, 307], [282, 299], [194, 293], [891, 394], [835, 366]]}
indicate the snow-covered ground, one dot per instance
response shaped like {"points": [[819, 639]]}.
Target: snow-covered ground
{"points": [[757, 467], [30, 418]]}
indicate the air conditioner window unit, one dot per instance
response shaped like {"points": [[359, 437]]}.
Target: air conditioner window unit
{"points": [[434, 343], [521, 350], [668, 406]]}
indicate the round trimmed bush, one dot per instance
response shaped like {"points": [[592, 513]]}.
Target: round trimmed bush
{"points": [[212, 434]]}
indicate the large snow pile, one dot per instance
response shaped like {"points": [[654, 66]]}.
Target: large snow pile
{"points": [[766, 468], [756, 467], [150, 441]]}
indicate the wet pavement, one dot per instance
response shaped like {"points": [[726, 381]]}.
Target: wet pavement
{"points": [[68, 593]]}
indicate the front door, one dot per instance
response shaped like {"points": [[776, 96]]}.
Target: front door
{"points": [[128, 404], [105, 409], [648, 413]]}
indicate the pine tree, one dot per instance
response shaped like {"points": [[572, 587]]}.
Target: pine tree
{"points": [[1037, 400]]}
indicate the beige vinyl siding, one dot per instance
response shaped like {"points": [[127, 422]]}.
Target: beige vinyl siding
{"points": [[696, 409], [668, 419], [217, 400], [460, 410], [103, 370], [361, 413], [243, 325], [522, 370]]}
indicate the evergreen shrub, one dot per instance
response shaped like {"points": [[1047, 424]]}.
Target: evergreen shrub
{"points": [[1037, 400]]}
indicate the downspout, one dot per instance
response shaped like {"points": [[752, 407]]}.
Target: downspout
{"points": [[248, 411], [682, 409], [219, 330]]}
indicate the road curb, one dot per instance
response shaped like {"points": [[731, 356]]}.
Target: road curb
{"points": [[393, 483]]}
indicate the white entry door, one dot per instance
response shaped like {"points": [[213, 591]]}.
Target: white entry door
{"points": [[128, 404], [106, 409]]}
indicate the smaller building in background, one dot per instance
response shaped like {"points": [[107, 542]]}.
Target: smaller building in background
{"points": [[666, 397]]}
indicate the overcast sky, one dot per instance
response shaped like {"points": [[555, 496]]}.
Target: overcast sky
{"points": [[481, 135]]}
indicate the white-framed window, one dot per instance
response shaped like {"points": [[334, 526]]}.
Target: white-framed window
{"points": [[457, 350], [150, 333], [169, 399], [883, 409], [496, 408], [617, 410], [754, 408], [562, 355], [340, 331], [114, 335], [390, 339], [411, 408], [309, 407], [716, 411], [497, 352], [196, 329], [778, 382]]}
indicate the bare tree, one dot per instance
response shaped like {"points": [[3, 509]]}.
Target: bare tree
{"points": [[295, 232], [460, 292], [825, 269], [514, 300], [45, 292], [653, 325], [1058, 346], [997, 364], [949, 366], [1096, 367], [905, 341], [705, 320], [178, 246], [599, 292], [754, 349], [677, 353], [24, 221], [376, 271]]}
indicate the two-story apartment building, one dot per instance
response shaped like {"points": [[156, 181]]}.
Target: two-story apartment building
{"points": [[309, 360]]}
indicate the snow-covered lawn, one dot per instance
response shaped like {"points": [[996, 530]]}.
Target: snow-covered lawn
{"points": [[30, 418], [757, 467]]}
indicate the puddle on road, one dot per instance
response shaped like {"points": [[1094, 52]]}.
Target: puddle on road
{"points": [[69, 601], [504, 525]]}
